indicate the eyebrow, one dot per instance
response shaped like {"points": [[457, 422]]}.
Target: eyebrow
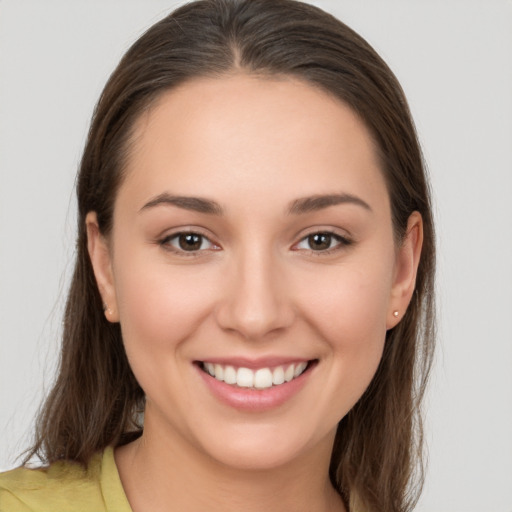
{"points": [[196, 204], [319, 202], [296, 207]]}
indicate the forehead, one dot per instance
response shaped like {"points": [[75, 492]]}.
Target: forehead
{"points": [[247, 134]]}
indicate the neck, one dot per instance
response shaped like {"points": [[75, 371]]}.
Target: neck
{"points": [[157, 471]]}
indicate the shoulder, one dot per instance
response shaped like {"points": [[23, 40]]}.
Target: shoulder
{"points": [[63, 487]]}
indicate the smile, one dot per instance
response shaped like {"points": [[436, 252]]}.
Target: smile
{"points": [[261, 378]]}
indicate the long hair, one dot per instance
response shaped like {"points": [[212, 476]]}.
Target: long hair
{"points": [[96, 400]]}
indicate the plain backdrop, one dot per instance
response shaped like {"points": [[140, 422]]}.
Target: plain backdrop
{"points": [[454, 60]]}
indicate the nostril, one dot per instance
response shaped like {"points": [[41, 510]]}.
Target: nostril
{"points": [[254, 321]]}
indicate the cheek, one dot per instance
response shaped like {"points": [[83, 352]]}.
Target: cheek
{"points": [[350, 304], [349, 310], [160, 305], [160, 308]]}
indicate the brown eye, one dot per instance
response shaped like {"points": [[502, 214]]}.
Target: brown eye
{"points": [[323, 241], [190, 241], [320, 241], [187, 242]]}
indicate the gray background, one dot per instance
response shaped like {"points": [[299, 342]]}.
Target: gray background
{"points": [[454, 59]]}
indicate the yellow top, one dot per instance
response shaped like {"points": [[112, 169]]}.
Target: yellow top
{"points": [[65, 487]]}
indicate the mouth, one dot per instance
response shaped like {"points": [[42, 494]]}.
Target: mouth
{"points": [[256, 378]]}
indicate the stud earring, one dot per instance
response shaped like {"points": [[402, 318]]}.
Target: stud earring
{"points": [[107, 310], [395, 314]]}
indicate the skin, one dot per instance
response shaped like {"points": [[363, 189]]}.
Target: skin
{"points": [[255, 288]]}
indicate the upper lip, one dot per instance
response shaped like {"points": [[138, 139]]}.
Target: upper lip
{"points": [[253, 364]]}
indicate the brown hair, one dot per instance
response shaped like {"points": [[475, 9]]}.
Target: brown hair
{"points": [[96, 400]]}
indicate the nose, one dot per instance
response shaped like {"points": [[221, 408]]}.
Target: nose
{"points": [[256, 300]]}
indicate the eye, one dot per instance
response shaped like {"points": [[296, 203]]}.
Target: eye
{"points": [[322, 242], [188, 242]]}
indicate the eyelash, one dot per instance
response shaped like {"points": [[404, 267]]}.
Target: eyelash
{"points": [[166, 243], [340, 241]]}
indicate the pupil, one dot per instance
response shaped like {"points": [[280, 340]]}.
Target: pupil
{"points": [[319, 241], [190, 242]]}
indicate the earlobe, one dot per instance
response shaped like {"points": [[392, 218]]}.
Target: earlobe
{"points": [[406, 268], [99, 253]]}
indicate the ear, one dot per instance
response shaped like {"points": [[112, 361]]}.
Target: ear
{"points": [[99, 253], [406, 268]]}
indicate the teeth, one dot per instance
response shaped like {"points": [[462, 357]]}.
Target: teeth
{"points": [[262, 378], [229, 375], [278, 376], [289, 373], [219, 371], [210, 368], [245, 378], [299, 369]]}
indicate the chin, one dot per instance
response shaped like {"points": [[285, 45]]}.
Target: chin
{"points": [[262, 447]]}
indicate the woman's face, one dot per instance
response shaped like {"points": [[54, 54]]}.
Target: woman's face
{"points": [[252, 239]]}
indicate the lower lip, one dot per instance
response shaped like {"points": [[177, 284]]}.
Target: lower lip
{"points": [[255, 400]]}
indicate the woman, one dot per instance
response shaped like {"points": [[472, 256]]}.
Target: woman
{"points": [[253, 281]]}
